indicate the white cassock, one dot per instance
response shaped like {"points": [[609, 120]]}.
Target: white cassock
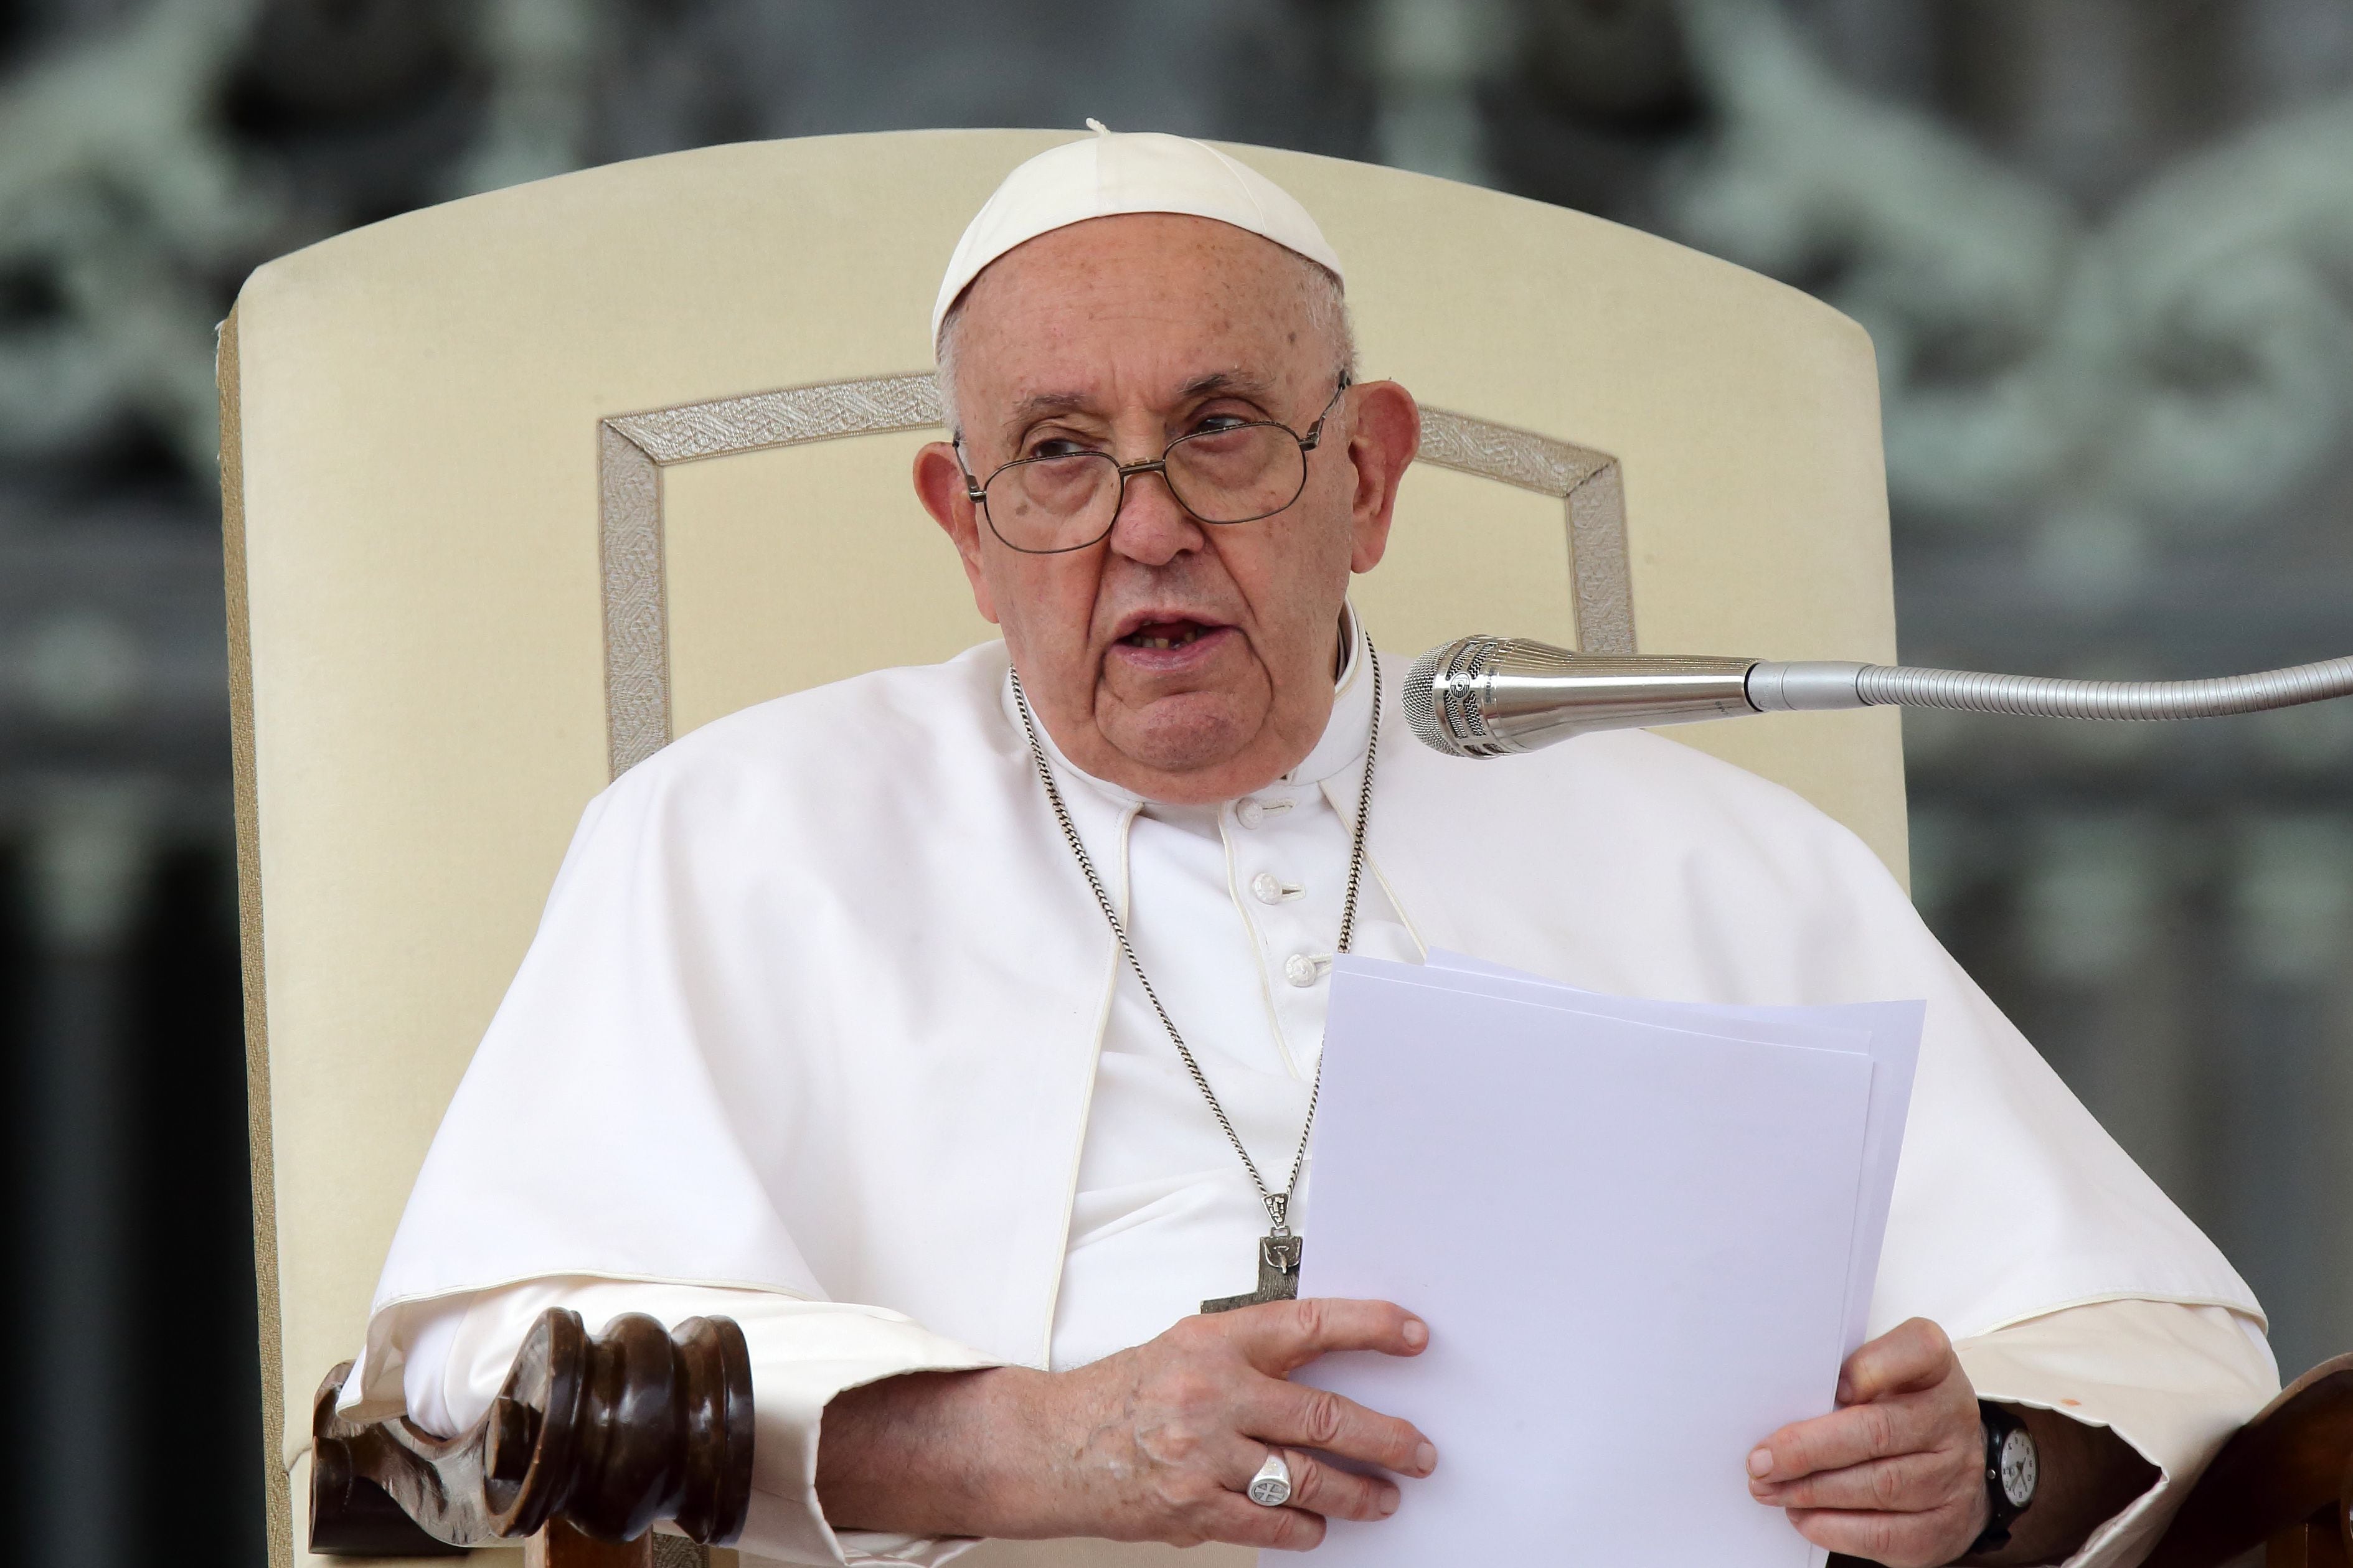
{"points": [[822, 1031]]}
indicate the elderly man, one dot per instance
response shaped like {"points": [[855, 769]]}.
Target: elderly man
{"points": [[954, 1029]]}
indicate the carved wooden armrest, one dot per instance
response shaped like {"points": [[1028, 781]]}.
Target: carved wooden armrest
{"points": [[2284, 1480], [595, 1439]]}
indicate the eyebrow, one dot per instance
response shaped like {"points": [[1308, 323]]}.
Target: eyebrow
{"points": [[1227, 383], [1235, 382], [1044, 405]]}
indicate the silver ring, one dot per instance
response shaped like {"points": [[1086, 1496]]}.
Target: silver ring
{"points": [[1271, 1487]]}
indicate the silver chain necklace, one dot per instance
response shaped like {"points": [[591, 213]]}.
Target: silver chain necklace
{"points": [[1279, 1251]]}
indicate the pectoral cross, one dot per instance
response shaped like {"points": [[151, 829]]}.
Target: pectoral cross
{"points": [[1278, 1274]]}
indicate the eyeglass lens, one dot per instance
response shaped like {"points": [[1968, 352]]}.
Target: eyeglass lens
{"points": [[1233, 475]]}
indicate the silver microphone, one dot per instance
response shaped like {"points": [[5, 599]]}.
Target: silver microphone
{"points": [[1493, 697]]}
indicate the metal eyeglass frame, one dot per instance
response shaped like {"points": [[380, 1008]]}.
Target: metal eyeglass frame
{"points": [[976, 491]]}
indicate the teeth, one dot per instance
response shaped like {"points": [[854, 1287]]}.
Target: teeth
{"points": [[1190, 637]]}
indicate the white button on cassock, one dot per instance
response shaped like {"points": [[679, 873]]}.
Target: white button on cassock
{"points": [[1270, 889], [1254, 813], [1300, 970]]}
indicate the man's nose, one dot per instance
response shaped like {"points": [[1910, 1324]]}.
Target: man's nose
{"points": [[1153, 528]]}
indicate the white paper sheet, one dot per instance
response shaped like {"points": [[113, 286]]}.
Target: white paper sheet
{"points": [[1632, 1240], [1888, 1031]]}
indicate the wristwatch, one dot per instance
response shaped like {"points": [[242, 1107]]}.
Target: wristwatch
{"points": [[2011, 1469]]}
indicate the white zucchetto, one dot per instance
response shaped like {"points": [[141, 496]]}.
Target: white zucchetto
{"points": [[1108, 173]]}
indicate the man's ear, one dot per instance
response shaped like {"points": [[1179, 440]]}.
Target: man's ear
{"points": [[940, 486], [1384, 433]]}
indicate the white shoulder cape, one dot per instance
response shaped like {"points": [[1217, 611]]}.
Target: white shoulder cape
{"points": [[815, 1004]]}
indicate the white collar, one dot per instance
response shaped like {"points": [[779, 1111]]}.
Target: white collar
{"points": [[1343, 742], [1347, 731]]}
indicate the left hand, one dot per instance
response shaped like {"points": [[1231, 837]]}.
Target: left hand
{"points": [[1896, 1474]]}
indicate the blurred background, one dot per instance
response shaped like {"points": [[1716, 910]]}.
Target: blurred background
{"points": [[2106, 249]]}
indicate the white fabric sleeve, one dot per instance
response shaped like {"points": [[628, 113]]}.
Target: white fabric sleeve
{"points": [[2173, 1380], [454, 1353]]}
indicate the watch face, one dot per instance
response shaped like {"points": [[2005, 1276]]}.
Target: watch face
{"points": [[2018, 1469]]}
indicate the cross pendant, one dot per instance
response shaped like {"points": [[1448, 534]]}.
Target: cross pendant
{"points": [[1278, 1274]]}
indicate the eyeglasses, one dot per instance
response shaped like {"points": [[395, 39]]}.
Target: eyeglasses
{"points": [[1231, 473]]}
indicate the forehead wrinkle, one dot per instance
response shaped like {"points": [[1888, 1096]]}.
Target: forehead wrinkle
{"points": [[1236, 274]]}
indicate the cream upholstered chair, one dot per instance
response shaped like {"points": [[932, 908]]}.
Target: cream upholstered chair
{"points": [[520, 487]]}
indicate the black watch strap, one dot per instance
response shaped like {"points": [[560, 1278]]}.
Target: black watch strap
{"points": [[1998, 1425]]}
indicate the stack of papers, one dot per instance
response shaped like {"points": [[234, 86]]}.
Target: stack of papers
{"points": [[1643, 1235]]}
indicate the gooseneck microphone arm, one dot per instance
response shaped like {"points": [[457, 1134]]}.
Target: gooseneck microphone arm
{"points": [[1492, 697], [1808, 685]]}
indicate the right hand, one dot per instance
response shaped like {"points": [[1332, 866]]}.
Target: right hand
{"points": [[1158, 1442]]}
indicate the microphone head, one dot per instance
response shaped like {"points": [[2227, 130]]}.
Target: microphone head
{"points": [[1422, 700], [1497, 697], [1437, 705]]}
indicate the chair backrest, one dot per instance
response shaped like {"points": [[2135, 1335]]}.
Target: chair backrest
{"points": [[521, 486]]}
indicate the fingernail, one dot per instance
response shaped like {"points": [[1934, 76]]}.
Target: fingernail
{"points": [[1425, 1459], [1845, 1392], [1761, 1460], [1388, 1502], [1417, 1332]]}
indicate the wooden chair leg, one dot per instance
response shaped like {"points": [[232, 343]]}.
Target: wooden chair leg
{"points": [[561, 1546]]}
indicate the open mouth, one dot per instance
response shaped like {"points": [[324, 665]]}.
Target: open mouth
{"points": [[1167, 634]]}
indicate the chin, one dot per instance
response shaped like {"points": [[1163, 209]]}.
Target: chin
{"points": [[1202, 735]]}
